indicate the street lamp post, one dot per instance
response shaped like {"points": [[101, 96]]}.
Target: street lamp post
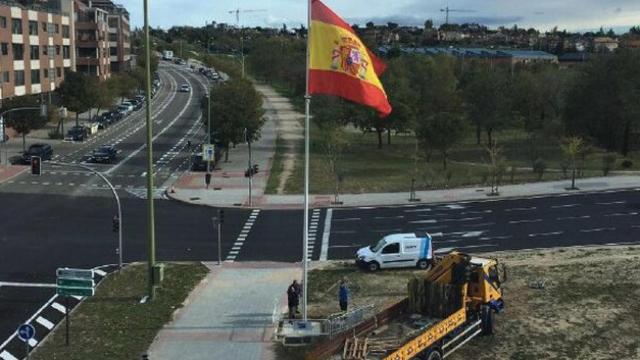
{"points": [[209, 128], [150, 208]]}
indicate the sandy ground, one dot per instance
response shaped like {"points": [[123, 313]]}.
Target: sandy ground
{"points": [[588, 307]]}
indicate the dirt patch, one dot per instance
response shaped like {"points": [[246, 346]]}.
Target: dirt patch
{"points": [[588, 307]]}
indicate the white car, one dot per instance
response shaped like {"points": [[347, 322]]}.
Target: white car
{"points": [[129, 105], [185, 88], [396, 251]]}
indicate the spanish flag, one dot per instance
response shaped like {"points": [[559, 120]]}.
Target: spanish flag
{"points": [[340, 64]]}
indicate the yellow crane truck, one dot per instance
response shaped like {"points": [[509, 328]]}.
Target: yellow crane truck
{"points": [[454, 302]]}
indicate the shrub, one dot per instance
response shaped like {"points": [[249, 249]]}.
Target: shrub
{"points": [[55, 134], [627, 164], [539, 167]]}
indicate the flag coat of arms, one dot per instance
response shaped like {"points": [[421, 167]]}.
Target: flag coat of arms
{"points": [[340, 64]]}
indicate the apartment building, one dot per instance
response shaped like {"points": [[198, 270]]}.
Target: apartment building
{"points": [[119, 34], [92, 33], [36, 46]]}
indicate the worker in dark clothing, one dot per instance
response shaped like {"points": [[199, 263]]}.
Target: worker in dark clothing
{"points": [[343, 295], [293, 297]]}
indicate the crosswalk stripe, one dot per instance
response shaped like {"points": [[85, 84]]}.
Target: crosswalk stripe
{"points": [[44, 322]]}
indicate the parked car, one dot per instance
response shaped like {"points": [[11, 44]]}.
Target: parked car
{"points": [[77, 133], [129, 105], [397, 250], [116, 115], [104, 120], [105, 154], [137, 104], [124, 110], [185, 88], [44, 151]]}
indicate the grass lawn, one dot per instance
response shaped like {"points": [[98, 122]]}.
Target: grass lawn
{"points": [[366, 168], [113, 324], [277, 166]]}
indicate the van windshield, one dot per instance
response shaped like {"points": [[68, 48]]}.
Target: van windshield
{"points": [[378, 246]]}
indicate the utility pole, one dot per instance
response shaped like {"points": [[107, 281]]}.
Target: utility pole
{"points": [[249, 168], [209, 127], [151, 234]]}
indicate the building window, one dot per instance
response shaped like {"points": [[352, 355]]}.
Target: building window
{"points": [[113, 37], [57, 27], [52, 51], [18, 51], [52, 71], [59, 72], [35, 76], [33, 28], [113, 51], [44, 50], [34, 52], [5, 48], [19, 77], [66, 52], [3, 22], [46, 73], [16, 26], [5, 77], [57, 49], [65, 31], [50, 29]]}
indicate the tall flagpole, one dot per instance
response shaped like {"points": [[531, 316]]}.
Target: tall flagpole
{"points": [[305, 235], [151, 232]]}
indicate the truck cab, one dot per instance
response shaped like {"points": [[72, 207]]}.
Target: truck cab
{"points": [[397, 251]]}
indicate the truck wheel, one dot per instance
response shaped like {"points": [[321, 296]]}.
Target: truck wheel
{"points": [[487, 320], [373, 266], [433, 354], [423, 264]]}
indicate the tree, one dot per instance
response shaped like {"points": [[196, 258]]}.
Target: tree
{"points": [[23, 121], [573, 147], [105, 92], [238, 113], [78, 93], [333, 144], [123, 85], [441, 132], [487, 98]]}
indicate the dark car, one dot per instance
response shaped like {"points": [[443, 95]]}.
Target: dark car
{"points": [[44, 151], [197, 164], [105, 154], [137, 103], [104, 120], [115, 116], [77, 133]]}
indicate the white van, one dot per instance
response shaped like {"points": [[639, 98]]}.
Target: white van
{"points": [[396, 251]]}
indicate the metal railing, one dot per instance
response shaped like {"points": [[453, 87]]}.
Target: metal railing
{"points": [[341, 322]]}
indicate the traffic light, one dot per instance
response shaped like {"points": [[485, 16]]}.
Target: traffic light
{"points": [[36, 165], [221, 216], [251, 171], [116, 224]]}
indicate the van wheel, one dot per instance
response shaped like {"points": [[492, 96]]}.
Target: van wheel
{"points": [[373, 266], [422, 264]]}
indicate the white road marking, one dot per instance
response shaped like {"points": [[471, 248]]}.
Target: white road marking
{"points": [[521, 209], [612, 203], [473, 233], [59, 307], [44, 322], [463, 219], [574, 217], [622, 214], [430, 221], [597, 230], [416, 210], [100, 272], [324, 249], [5, 355], [547, 234], [344, 231], [524, 221], [388, 217], [479, 225], [564, 206], [33, 342]]}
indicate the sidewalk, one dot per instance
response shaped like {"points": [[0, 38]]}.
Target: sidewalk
{"points": [[229, 199], [230, 315], [8, 172]]}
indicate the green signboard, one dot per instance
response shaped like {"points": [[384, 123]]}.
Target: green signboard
{"points": [[75, 282]]}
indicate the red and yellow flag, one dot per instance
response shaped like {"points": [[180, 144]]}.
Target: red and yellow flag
{"points": [[340, 64]]}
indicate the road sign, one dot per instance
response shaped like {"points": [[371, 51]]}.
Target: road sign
{"points": [[208, 152], [26, 332], [75, 282], [74, 273]]}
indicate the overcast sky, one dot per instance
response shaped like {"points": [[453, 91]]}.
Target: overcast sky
{"points": [[573, 15]]}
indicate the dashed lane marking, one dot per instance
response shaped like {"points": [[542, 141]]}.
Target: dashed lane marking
{"points": [[525, 221], [554, 233], [5, 355], [44, 322]]}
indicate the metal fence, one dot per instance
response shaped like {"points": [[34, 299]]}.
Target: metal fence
{"points": [[341, 322]]}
